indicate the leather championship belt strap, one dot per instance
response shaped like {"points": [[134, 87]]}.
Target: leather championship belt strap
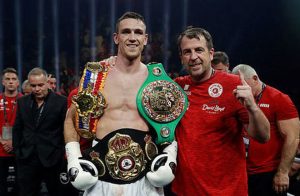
{"points": [[90, 102], [161, 102]]}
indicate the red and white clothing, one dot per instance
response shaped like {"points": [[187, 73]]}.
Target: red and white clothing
{"points": [[10, 108], [70, 96], [211, 154], [276, 106]]}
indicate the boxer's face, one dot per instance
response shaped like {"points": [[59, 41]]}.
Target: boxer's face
{"points": [[131, 38]]}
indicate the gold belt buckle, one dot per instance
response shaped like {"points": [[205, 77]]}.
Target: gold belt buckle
{"points": [[125, 159], [87, 103]]}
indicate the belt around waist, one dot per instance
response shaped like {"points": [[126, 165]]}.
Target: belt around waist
{"points": [[123, 156]]}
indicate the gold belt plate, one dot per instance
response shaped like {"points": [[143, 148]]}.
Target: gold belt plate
{"points": [[162, 101], [125, 159], [87, 103]]}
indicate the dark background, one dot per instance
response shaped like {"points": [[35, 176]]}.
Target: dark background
{"points": [[262, 33]]}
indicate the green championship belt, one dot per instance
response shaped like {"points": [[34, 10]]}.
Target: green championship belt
{"points": [[161, 102]]}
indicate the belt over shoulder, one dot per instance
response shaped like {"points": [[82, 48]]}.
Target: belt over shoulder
{"points": [[162, 102]]}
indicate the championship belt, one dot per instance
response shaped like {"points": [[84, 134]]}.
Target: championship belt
{"points": [[122, 156], [90, 102], [161, 102]]}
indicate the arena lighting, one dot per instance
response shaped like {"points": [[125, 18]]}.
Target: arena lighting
{"points": [[56, 43], [93, 29], [166, 27], [147, 15], [146, 11], [184, 15], [76, 37], [1, 41], [128, 6], [112, 24], [40, 33], [18, 38]]}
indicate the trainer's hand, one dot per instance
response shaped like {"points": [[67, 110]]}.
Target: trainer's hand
{"points": [[7, 145], [163, 167], [281, 182], [244, 94]]}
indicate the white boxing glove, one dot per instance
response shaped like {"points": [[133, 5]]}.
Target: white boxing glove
{"points": [[83, 174], [163, 167]]}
